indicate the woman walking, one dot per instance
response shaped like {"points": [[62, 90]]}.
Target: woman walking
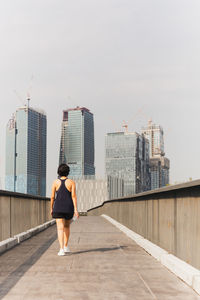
{"points": [[63, 206]]}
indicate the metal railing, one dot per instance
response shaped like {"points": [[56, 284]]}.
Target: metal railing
{"points": [[168, 217]]}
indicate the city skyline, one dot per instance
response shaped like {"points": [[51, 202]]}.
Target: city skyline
{"points": [[76, 121], [102, 174], [114, 57]]}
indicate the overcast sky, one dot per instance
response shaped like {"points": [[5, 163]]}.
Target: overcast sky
{"points": [[116, 57]]}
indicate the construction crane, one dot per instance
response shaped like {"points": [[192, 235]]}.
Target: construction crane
{"points": [[115, 125], [19, 97], [24, 103], [126, 124], [28, 91], [28, 99]]}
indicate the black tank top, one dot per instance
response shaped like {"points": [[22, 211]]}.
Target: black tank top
{"points": [[63, 201]]}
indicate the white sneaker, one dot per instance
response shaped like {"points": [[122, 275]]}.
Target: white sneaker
{"points": [[61, 252], [66, 249]]}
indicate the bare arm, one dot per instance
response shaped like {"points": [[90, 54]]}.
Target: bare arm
{"points": [[53, 191], [74, 198]]}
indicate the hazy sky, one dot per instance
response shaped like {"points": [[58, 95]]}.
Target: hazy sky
{"points": [[113, 56]]}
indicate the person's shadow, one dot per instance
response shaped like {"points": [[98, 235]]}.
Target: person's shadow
{"points": [[99, 250]]}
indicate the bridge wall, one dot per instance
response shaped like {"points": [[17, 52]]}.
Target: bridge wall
{"points": [[169, 217], [20, 212]]}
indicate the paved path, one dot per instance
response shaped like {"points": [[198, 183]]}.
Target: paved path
{"points": [[104, 264]]}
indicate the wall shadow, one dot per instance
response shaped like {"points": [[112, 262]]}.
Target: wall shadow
{"points": [[10, 281]]}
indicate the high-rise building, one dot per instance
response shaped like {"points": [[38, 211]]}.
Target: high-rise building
{"points": [[159, 168], [77, 141], [154, 133], [26, 152], [159, 164], [127, 157]]}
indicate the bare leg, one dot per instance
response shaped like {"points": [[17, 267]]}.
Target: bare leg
{"points": [[66, 232], [60, 231]]}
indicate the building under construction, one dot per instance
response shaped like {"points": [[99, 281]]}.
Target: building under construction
{"points": [[159, 164]]}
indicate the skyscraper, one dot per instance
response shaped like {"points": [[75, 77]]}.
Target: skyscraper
{"points": [[154, 133], [26, 152], [77, 141], [127, 157], [159, 164]]}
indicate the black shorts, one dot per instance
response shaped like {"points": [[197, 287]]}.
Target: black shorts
{"points": [[66, 216]]}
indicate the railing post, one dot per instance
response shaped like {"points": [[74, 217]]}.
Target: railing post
{"points": [[10, 218]]}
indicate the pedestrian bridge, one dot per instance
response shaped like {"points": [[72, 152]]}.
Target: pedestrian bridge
{"points": [[105, 263]]}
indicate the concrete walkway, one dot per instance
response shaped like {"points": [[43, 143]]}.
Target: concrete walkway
{"points": [[104, 264]]}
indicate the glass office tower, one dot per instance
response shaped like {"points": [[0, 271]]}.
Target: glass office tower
{"points": [[159, 167], [26, 152], [127, 157], [77, 141]]}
